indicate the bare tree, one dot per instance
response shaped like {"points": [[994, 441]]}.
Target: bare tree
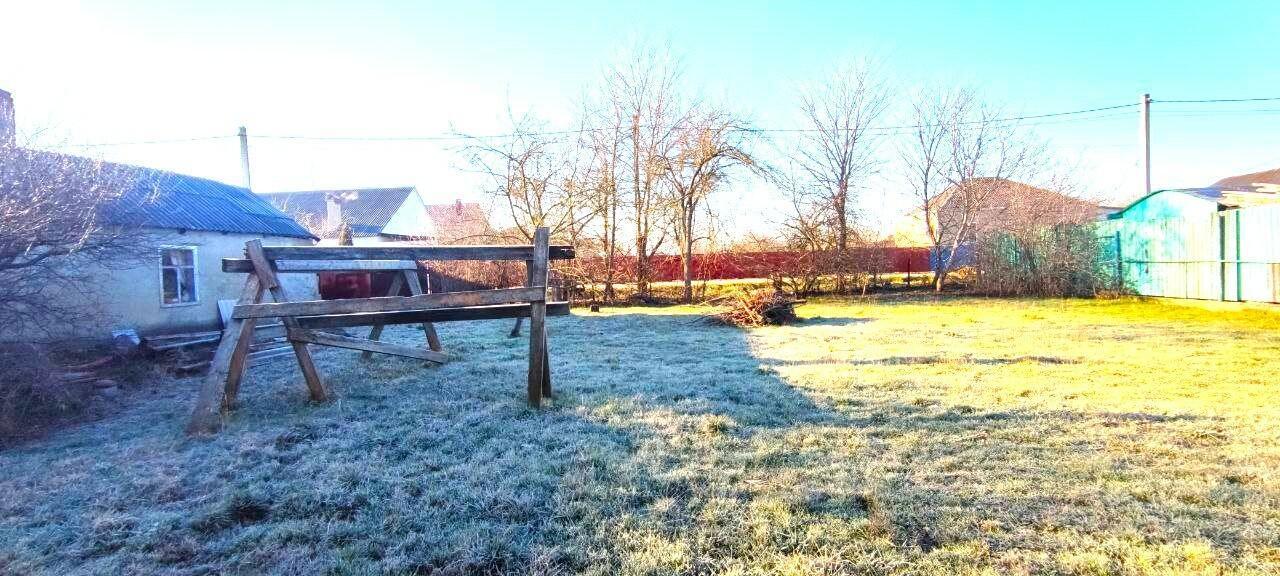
{"points": [[603, 145], [642, 89], [708, 145], [531, 176], [63, 222], [925, 160], [836, 152], [961, 160], [534, 174]]}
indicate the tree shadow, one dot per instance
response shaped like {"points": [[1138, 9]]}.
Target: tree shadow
{"points": [[924, 360], [833, 321]]}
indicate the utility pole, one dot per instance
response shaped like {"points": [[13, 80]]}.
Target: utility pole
{"points": [[244, 157], [1144, 108]]}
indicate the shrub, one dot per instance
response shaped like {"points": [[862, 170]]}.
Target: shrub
{"points": [[31, 392], [1064, 260]]}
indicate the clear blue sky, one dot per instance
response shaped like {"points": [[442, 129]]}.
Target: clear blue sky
{"points": [[92, 72]]}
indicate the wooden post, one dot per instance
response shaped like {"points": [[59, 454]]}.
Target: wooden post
{"points": [[539, 378], [223, 379], [415, 289], [265, 270], [376, 331]]}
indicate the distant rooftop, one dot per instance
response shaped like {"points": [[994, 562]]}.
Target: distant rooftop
{"points": [[366, 210], [1253, 179]]}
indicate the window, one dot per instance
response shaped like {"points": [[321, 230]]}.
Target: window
{"points": [[178, 276]]}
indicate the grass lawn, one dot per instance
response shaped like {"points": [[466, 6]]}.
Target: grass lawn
{"points": [[881, 436]]}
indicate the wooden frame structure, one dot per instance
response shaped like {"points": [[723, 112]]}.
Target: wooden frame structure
{"points": [[304, 320]]}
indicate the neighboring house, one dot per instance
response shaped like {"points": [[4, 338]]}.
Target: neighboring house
{"points": [[377, 215], [1266, 180], [1215, 243], [1008, 205], [188, 225]]}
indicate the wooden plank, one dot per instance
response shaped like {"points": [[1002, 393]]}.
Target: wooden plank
{"points": [[266, 272], [538, 316], [263, 355], [415, 288], [171, 344], [443, 315], [412, 252], [206, 417], [311, 266], [389, 303], [376, 332], [325, 339]]}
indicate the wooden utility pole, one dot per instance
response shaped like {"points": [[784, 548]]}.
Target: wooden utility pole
{"points": [[244, 157], [1144, 107]]}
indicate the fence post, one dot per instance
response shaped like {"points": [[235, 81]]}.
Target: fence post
{"points": [[1119, 263]]}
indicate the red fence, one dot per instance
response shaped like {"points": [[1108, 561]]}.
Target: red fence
{"points": [[726, 266], [730, 266]]}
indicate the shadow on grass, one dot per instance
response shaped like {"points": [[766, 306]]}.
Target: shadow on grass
{"points": [[832, 321], [901, 360]]}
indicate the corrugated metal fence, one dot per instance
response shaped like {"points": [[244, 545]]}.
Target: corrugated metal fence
{"points": [[1231, 255]]}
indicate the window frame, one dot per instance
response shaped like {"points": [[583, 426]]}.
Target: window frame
{"points": [[195, 275]]}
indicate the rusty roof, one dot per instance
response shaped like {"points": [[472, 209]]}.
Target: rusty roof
{"points": [[1251, 180]]}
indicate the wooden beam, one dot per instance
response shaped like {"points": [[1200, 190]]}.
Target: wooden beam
{"points": [[326, 339], [389, 303], [312, 266], [266, 272], [537, 279], [411, 252], [443, 315], [206, 417], [375, 333], [415, 288]]}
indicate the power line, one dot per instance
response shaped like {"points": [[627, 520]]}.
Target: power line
{"points": [[458, 137], [882, 130], [138, 142], [1219, 100], [420, 138]]}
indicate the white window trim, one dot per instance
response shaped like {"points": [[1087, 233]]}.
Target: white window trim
{"points": [[195, 272]]}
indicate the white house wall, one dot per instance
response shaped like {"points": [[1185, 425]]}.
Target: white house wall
{"points": [[411, 219], [130, 298]]}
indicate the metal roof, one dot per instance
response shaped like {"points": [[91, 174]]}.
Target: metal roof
{"points": [[161, 199], [1224, 197]]}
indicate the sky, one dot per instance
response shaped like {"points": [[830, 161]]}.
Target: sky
{"points": [[112, 72]]}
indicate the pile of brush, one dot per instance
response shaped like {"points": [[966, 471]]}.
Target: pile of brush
{"points": [[757, 308]]}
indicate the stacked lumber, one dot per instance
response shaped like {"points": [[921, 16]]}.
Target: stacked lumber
{"points": [[191, 352]]}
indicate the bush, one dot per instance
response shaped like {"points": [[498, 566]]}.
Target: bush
{"points": [[1062, 261], [31, 392]]}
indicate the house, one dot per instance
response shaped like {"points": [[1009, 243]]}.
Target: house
{"points": [[1215, 243], [184, 226], [1007, 205], [377, 215], [1266, 179]]}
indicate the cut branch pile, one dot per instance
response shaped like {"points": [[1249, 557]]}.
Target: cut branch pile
{"points": [[757, 308]]}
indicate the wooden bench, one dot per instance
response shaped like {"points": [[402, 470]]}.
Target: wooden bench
{"points": [[305, 320]]}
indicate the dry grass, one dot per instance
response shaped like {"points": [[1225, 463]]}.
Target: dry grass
{"points": [[903, 436]]}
